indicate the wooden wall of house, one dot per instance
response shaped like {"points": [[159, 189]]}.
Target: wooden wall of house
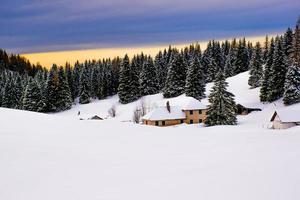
{"points": [[196, 117], [278, 124], [167, 122]]}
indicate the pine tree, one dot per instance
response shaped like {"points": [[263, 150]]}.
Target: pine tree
{"points": [[64, 101], [51, 91], [32, 100], [292, 82], [161, 69], [195, 80], [175, 82], [84, 88], [292, 86], [278, 72], [148, 79], [256, 70], [222, 108], [266, 49], [288, 42], [242, 62], [127, 82], [265, 85]]}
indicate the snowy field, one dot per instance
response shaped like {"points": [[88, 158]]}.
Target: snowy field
{"points": [[58, 157]]}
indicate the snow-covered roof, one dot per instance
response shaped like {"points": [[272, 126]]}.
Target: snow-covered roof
{"points": [[287, 115], [161, 113], [193, 104]]}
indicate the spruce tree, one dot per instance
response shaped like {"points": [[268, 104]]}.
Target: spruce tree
{"points": [[161, 69], [292, 82], [175, 82], [64, 100], [127, 82], [195, 80], [84, 86], [292, 86], [265, 85], [51, 91], [32, 100], [278, 72], [148, 79], [256, 70], [242, 61], [222, 108]]}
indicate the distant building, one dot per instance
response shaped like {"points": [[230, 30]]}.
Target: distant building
{"points": [[242, 110], [283, 119], [192, 112]]}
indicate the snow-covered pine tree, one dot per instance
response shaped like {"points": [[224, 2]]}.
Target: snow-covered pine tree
{"points": [[265, 85], [292, 82], [231, 59], [195, 80], [222, 108], [242, 62], [256, 69], [296, 45], [160, 64], [288, 42], [266, 49], [148, 78], [8, 93], [64, 101], [84, 86], [69, 75], [32, 100], [126, 82], [292, 86], [135, 92], [52, 90], [278, 72], [175, 81]]}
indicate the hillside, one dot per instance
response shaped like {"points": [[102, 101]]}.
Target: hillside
{"points": [[56, 156], [59, 157]]}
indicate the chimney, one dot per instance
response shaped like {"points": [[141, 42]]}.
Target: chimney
{"points": [[168, 106]]}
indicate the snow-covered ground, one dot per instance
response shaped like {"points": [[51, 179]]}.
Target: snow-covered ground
{"points": [[57, 156]]}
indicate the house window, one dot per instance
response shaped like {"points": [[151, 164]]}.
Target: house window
{"points": [[191, 121], [163, 123], [156, 123], [200, 112], [181, 121], [200, 120], [191, 112]]}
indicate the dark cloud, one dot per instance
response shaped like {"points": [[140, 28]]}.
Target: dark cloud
{"points": [[40, 25]]}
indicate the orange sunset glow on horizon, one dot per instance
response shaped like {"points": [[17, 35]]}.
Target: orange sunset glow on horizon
{"points": [[47, 59]]}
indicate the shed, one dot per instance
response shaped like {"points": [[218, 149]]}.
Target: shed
{"points": [[285, 118], [242, 110], [96, 117]]}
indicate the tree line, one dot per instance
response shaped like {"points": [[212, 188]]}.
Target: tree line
{"points": [[274, 66]]}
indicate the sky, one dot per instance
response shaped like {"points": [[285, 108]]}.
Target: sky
{"points": [[31, 26]]}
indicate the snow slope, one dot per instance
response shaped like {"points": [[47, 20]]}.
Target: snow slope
{"points": [[57, 156]]}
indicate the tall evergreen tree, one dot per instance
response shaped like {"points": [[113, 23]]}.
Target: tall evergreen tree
{"points": [[52, 90], [242, 62], [278, 72], [222, 108], [292, 86], [148, 78], [256, 70], [64, 100], [84, 87], [125, 90], [292, 82], [175, 82], [195, 80], [32, 100], [265, 85]]}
